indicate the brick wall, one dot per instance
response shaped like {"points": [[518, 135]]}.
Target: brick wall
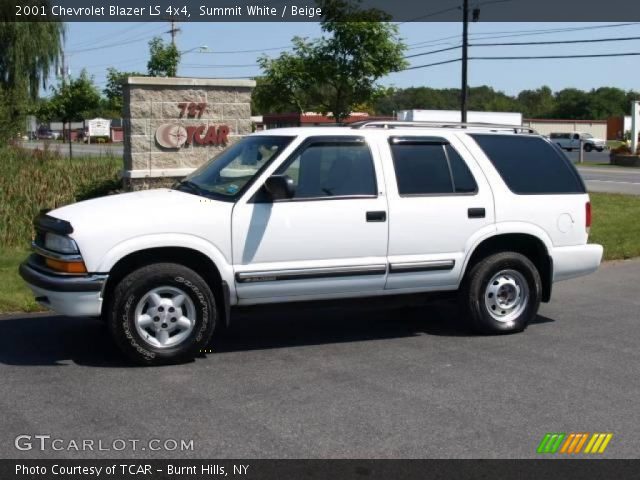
{"points": [[151, 103]]}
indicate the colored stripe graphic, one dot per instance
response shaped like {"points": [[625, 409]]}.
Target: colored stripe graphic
{"points": [[551, 442], [598, 443], [573, 443], [581, 443]]}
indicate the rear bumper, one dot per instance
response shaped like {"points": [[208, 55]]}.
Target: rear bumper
{"points": [[74, 296], [575, 261]]}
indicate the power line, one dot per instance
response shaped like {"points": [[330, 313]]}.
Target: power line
{"points": [[432, 14], [526, 57], [188, 65], [517, 33], [537, 57], [113, 45], [552, 42], [556, 42], [433, 51], [249, 51], [451, 9], [432, 64], [108, 36]]}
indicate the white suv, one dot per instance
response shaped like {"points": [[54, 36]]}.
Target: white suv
{"points": [[496, 213]]}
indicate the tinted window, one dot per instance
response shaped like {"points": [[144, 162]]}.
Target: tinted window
{"points": [[530, 165], [462, 177], [332, 169], [424, 168], [421, 169]]}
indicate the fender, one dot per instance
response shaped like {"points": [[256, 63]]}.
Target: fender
{"points": [[163, 240], [504, 228]]}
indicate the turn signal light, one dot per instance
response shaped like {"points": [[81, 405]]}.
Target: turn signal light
{"points": [[66, 267]]}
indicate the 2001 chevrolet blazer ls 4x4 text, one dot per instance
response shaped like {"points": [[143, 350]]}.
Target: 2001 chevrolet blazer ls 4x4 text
{"points": [[495, 212]]}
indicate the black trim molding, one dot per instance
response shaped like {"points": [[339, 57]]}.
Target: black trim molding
{"points": [[309, 273], [428, 266], [44, 222]]}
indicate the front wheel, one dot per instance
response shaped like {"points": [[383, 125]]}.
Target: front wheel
{"points": [[162, 313], [501, 293], [588, 147]]}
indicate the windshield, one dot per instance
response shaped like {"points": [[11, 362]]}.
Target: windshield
{"points": [[226, 175], [587, 135]]}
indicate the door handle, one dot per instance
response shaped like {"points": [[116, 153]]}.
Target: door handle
{"points": [[476, 213], [377, 216]]}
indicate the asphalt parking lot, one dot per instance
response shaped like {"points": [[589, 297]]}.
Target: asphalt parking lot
{"points": [[341, 382], [611, 180]]}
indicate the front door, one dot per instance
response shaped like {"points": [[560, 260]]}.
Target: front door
{"points": [[329, 239]]}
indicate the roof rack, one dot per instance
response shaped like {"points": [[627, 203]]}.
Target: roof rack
{"points": [[400, 124]]}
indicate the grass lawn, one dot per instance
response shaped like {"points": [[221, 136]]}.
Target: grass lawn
{"points": [[615, 143], [615, 225], [14, 294]]}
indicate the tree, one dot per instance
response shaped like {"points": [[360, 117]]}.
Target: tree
{"points": [[75, 100], [538, 103], [572, 103], [338, 71], [284, 86], [164, 58], [113, 91], [28, 53]]}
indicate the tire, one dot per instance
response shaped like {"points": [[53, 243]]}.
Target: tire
{"points": [[588, 147], [162, 313], [514, 279]]}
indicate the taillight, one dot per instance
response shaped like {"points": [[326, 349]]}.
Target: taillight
{"points": [[587, 220]]}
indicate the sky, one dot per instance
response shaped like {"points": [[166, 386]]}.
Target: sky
{"points": [[97, 46]]}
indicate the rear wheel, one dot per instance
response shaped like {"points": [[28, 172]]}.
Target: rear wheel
{"points": [[501, 293], [162, 313]]}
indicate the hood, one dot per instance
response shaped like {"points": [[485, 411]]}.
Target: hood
{"points": [[103, 223], [150, 207]]}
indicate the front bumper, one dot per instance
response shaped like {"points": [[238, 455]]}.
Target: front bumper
{"points": [[571, 262], [71, 295]]}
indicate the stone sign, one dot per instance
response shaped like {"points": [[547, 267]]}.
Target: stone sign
{"points": [[174, 125]]}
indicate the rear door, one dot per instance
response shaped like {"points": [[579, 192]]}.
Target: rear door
{"points": [[439, 204]]}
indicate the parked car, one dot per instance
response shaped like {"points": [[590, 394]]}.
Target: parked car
{"points": [[497, 214], [47, 135], [570, 140]]}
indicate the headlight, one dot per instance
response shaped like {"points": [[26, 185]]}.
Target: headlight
{"points": [[60, 243]]}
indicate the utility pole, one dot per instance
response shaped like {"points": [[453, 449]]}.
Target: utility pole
{"points": [[635, 125], [465, 59], [174, 31], [63, 73]]}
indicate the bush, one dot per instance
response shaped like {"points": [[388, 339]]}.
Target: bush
{"points": [[33, 180]]}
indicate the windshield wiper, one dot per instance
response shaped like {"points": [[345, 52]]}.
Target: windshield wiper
{"points": [[194, 188]]}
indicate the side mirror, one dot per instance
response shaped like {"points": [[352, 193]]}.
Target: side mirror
{"points": [[280, 187]]}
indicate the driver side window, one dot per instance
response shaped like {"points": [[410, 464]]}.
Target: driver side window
{"points": [[332, 169]]}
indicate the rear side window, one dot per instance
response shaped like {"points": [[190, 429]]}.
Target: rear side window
{"points": [[428, 167], [530, 165]]}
